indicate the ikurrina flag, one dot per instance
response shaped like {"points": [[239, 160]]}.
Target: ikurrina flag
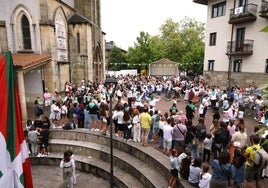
{"points": [[15, 169]]}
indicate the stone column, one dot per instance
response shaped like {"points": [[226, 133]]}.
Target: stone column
{"points": [[22, 94]]}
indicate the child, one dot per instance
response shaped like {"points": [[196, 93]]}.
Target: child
{"points": [[29, 124], [72, 158], [232, 127], [68, 167], [260, 114], [207, 147], [201, 110], [33, 140], [195, 170], [205, 177]]}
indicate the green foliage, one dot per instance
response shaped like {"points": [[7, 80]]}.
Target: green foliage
{"points": [[117, 59], [181, 42], [146, 50], [184, 43], [265, 29]]}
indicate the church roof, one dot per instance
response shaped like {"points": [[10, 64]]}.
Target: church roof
{"points": [[76, 18]]}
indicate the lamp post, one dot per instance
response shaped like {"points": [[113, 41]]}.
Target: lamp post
{"points": [[111, 81]]}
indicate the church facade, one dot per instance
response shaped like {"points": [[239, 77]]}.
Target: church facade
{"points": [[53, 42]]}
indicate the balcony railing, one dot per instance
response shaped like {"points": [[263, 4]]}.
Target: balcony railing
{"points": [[264, 9], [240, 47], [246, 13]]}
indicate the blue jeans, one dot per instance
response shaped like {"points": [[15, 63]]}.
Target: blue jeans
{"points": [[194, 151], [93, 117]]}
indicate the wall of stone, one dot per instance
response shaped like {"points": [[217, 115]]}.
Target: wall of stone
{"points": [[240, 79]]}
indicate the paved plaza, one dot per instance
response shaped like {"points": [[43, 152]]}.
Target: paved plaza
{"points": [[51, 176]]}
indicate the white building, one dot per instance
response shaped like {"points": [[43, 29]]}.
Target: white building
{"points": [[236, 51]]}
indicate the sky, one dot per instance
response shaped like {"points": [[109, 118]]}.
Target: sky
{"points": [[122, 20]]}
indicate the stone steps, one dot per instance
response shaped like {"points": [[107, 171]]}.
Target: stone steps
{"points": [[141, 171], [92, 165], [146, 165]]}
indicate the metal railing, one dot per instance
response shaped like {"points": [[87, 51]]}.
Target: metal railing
{"points": [[245, 46], [264, 7], [243, 11]]}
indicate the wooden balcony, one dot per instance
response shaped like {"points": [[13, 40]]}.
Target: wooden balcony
{"points": [[264, 9], [241, 48], [243, 14]]}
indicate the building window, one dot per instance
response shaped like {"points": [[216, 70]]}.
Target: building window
{"points": [[237, 65], [78, 42], [266, 66], [212, 39], [26, 34], [218, 9], [211, 65]]}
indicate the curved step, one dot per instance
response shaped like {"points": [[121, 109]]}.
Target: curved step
{"points": [[148, 155], [91, 165], [147, 175]]}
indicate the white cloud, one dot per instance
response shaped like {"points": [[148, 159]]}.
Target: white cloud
{"points": [[122, 20]]}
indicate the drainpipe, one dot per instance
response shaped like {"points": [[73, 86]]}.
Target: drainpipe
{"points": [[230, 54]]}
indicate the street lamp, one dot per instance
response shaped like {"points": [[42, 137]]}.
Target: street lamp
{"points": [[111, 81]]}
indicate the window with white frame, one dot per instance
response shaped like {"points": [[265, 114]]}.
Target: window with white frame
{"points": [[211, 65], [237, 66], [218, 9]]}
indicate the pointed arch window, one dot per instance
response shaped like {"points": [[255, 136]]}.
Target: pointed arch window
{"points": [[26, 34]]}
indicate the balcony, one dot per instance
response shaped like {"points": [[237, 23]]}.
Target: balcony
{"points": [[244, 48], [202, 2], [243, 14], [264, 9]]}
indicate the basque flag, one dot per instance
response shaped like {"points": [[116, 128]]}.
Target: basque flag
{"points": [[15, 171]]}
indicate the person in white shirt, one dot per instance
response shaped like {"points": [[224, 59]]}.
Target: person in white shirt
{"points": [[167, 136], [173, 159], [207, 147], [205, 177], [68, 167], [136, 126]]}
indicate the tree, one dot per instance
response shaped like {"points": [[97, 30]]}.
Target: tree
{"points": [[184, 43], [172, 42], [146, 50], [117, 59]]}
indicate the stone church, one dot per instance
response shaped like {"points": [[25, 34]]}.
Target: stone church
{"points": [[53, 42]]}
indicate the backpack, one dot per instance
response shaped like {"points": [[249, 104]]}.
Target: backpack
{"points": [[220, 135], [260, 159], [201, 132], [238, 159]]}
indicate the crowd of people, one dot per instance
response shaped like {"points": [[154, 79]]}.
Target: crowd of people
{"points": [[136, 118]]}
